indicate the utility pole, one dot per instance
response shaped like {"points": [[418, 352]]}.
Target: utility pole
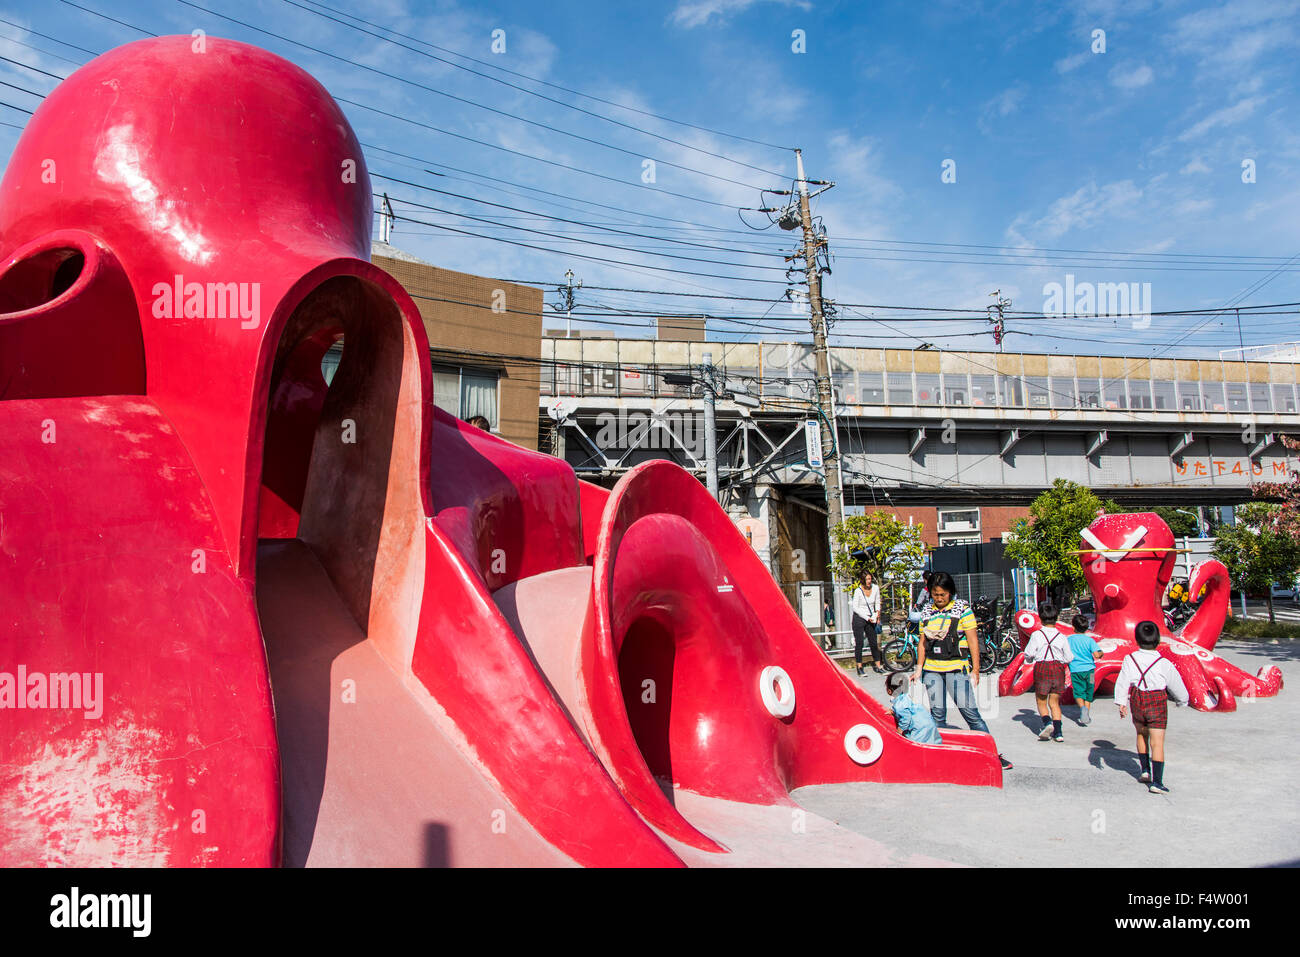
{"points": [[999, 326], [567, 292], [710, 428], [825, 391], [386, 219]]}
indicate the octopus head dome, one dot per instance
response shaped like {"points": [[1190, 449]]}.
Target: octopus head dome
{"points": [[190, 150]]}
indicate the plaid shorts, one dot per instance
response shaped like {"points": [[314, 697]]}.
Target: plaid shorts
{"points": [[1049, 677], [1149, 707]]}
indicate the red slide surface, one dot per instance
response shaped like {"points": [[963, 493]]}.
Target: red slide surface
{"points": [[323, 624]]}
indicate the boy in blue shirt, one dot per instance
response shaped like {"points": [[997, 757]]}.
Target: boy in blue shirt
{"points": [[1083, 667], [914, 721]]}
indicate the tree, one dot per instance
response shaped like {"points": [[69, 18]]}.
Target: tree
{"points": [[1179, 522], [1047, 540], [880, 543], [1259, 550], [1284, 494]]}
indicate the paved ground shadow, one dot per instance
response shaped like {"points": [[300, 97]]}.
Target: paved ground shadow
{"points": [[1106, 755]]}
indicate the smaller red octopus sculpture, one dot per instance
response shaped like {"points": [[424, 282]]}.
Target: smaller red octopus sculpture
{"points": [[1128, 561]]}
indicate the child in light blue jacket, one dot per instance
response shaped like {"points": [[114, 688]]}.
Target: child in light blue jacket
{"points": [[914, 720]]}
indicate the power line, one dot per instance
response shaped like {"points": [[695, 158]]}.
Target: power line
{"points": [[515, 86], [27, 66], [590, 242], [615, 262], [557, 86], [467, 101], [538, 159], [575, 222]]}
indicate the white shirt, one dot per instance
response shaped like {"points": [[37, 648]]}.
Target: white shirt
{"points": [[866, 604], [1161, 676], [1038, 650]]}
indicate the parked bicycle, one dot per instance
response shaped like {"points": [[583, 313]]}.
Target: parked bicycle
{"points": [[900, 654], [999, 641]]}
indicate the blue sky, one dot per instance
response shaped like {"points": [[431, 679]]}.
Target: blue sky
{"points": [[1134, 150]]}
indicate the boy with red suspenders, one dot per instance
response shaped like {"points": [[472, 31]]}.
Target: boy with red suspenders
{"points": [[1146, 682], [1050, 652]]}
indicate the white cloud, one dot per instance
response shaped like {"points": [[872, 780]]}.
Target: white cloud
{"points": [[1195, 166], [1224, 117], [1131, 79], [1085, 207], [1000, 106], [1192, 207], [1234, 35], [694, 13], [1074, 61]]}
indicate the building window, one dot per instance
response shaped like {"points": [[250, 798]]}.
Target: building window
{"points": [[873, 388], [329, 363], [1062, 389], [1012, 390], [982, 391], [1089, 394], [900, 388], [1039, 392], [956, 388], [1212, 396], [466, 392], [959, 526], [1283, 398]]}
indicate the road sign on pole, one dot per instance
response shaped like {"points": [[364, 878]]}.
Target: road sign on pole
{"points": [[812, 440]]}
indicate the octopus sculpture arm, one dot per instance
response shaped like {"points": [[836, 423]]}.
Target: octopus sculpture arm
{"points": [[1127, 573]]}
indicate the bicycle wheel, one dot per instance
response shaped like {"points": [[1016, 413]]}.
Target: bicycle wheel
{"points": [[898, 656], [1008, 647], [988, 657]]}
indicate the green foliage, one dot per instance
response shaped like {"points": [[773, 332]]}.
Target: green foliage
{"points": [[1286, 494], [1259, 550], [1046, 540], [1180, 523], [898, 552]]}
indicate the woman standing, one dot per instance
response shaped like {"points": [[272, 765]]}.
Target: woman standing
{"points": [[865, 602], [947, 658]]}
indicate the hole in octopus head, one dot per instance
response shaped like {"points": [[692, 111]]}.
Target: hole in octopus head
{"points": [[39, 279]]}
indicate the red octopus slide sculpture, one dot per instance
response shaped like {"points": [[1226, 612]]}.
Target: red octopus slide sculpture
{"points": [[1128, 562], [249, 617]]}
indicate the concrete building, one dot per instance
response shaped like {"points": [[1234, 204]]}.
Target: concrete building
{"points": [[959, 442], [485, 340]]}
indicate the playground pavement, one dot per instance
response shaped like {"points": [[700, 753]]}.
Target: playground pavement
{"points": [[1233, 782]]}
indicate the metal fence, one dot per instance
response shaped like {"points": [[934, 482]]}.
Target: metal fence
{"points": [[896, 601]]}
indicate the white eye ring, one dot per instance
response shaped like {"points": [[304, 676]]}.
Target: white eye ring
{"points": [[855, 751], [777, 690]]}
